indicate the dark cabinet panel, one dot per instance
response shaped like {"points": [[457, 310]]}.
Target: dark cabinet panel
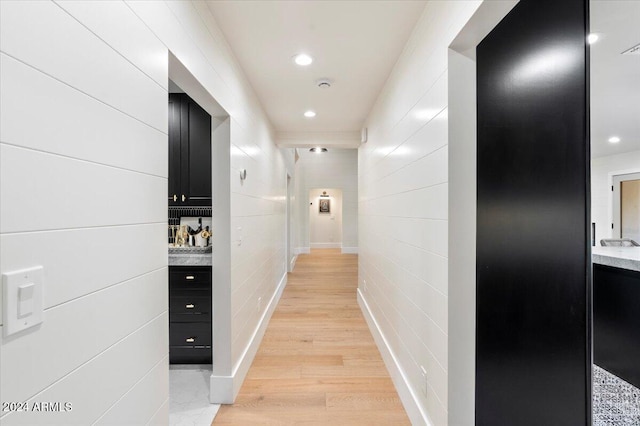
{"points": [[533, 363], [190, 329], [616, 322], [189, 152], [174, 151]]}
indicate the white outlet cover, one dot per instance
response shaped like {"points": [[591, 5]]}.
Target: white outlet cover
{"points": [[12, 319]]}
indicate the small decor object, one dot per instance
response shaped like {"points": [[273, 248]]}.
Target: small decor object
{"points": [[324, 205]]}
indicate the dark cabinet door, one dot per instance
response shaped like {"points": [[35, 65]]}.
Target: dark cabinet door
{"points": [[533, 338], [174, 150], [189, 152], [197, 182]]}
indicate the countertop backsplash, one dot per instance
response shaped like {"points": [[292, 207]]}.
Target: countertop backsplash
{"points": [[188, 216]]}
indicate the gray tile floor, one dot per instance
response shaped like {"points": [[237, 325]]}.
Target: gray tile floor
{"points": [[189, 396], [615, 402]]}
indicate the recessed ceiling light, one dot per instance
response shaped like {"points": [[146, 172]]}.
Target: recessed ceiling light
{"points": [[318, 149], [303, 59], [592, 38], [310, 114], [614, 139]]}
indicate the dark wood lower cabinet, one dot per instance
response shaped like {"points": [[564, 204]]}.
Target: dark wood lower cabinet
{"points": [[616, 321], [190, 315]]}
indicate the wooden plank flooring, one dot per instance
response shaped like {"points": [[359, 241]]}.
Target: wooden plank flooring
{"points": [[317, 364]]}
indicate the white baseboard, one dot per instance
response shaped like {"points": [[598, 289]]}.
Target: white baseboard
{"points": [[224, 389], [303, 250], [292, 262], [415, 411], [325, 245], [349, 250]]}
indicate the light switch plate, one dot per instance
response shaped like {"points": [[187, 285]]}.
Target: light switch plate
{"points": [[22, 300]]}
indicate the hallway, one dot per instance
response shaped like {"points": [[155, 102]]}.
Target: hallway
{"points": [[318, 363]]}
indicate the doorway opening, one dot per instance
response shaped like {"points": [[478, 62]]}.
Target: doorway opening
{"points": [[289, 260], [198, 205], [626, 206], [325, 218]]}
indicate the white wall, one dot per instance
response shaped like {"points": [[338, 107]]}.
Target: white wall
{"points": [[325, 229], [403, 198], [337, 168], [83, 178], [83, 172], [602, 170]]}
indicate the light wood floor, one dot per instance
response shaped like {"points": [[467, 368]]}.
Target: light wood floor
{"points": [[317, 364]]}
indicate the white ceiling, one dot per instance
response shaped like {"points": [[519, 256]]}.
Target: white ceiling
{"points": [[353, 43], [615, 78], [356, 44]]}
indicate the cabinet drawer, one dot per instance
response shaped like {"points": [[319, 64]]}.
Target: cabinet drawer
{"points": [[190, 278], [189, 334], [182, 355], [190, 308], [190, 304]]}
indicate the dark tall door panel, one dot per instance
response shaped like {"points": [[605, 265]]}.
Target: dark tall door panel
{"points": [[533, 362]]}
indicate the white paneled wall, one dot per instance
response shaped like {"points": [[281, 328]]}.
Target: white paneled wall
{"points": [[602, 170], [83, 177], [257, 204], [403, 200], [337, 168]]}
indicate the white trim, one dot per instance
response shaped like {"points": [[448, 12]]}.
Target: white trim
{"points": [[349, 250], [326, 245], [292, 262], [313, 139], [303, 250], [224, 389], [414, 410]]}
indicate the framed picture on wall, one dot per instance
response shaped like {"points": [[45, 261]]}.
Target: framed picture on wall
{"points": [[324, 206]]}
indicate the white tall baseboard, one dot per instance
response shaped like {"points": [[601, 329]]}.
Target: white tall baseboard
{"points": [[414, 410], [303, 250], [349, 250], [224, 389], [325, 245]]}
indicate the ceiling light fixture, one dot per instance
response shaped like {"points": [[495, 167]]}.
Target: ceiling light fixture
{"points": [[310, 114], [323, 83], [318, 149], [614, 139], [303, 59], [592, 38]]}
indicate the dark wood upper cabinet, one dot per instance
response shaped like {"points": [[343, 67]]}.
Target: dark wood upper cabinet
{"points": [[189, 152]]}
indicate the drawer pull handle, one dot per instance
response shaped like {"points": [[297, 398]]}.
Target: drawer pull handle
{"points": [[191, 339], [190, 306], [190, 277]]}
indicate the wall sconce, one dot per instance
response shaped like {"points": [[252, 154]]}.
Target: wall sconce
{"points": [[324, 194]]}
